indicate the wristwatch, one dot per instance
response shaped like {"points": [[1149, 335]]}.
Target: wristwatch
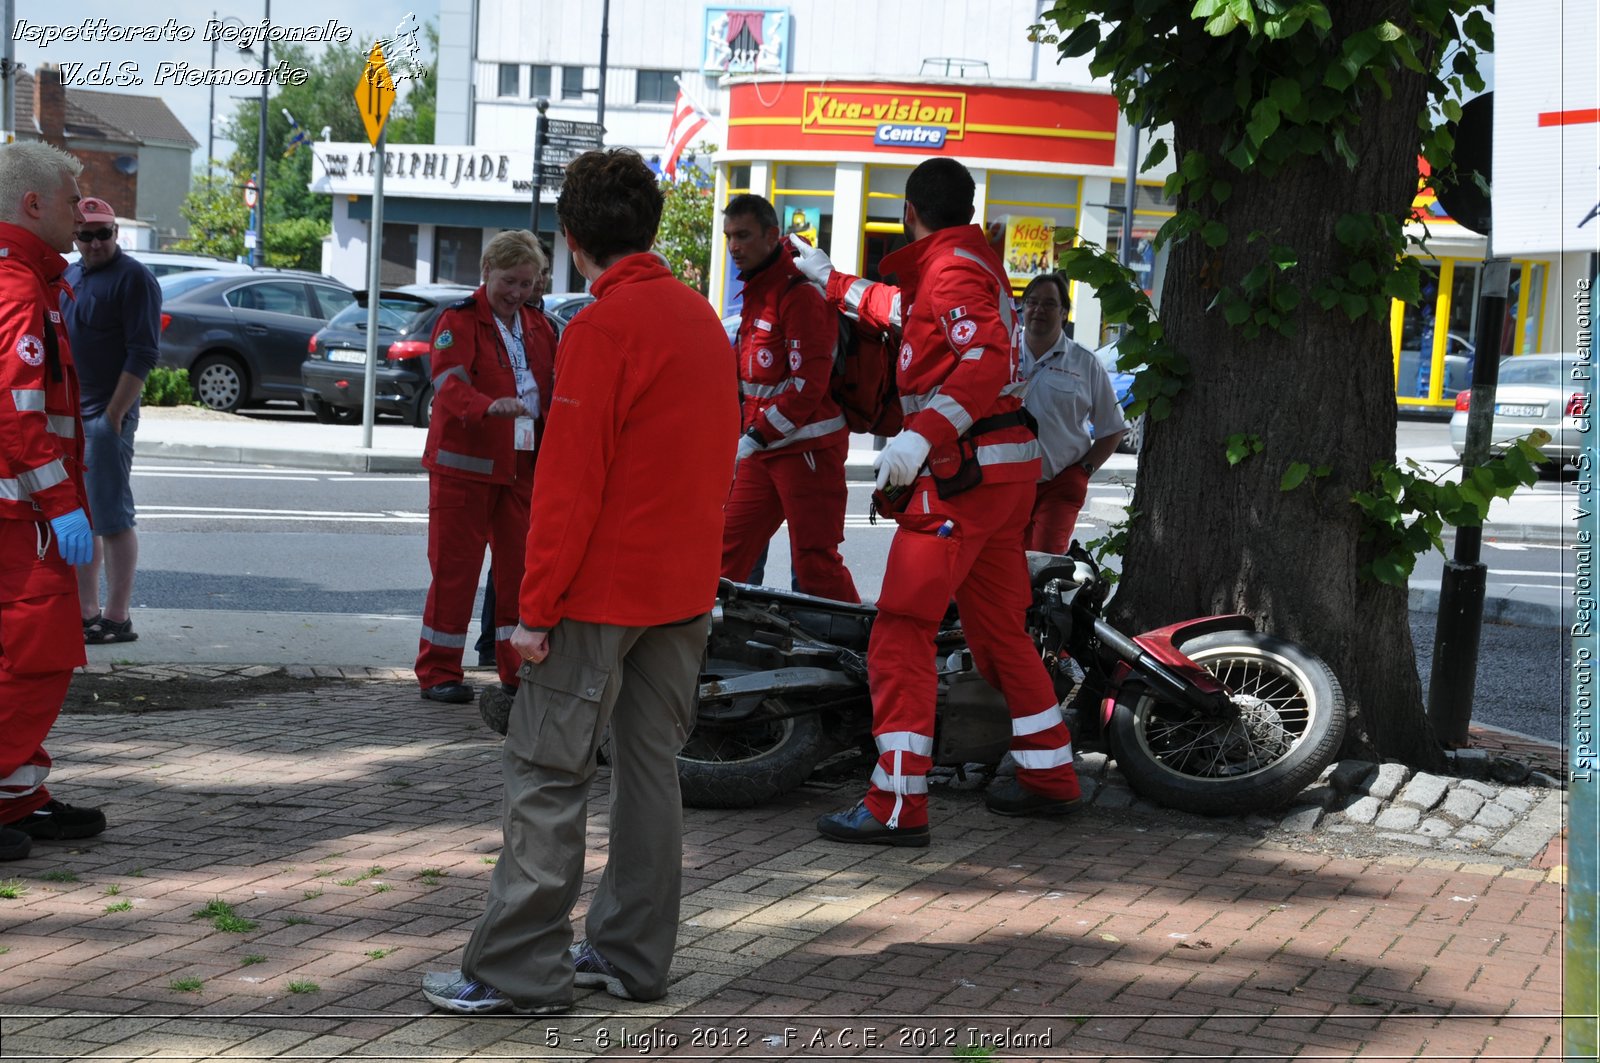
{"points": [[754, 435], [1087, 466]]}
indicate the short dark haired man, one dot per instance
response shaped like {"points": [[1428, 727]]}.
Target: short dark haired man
{"points": [[1068, 389], [620, 577], [968, 461], [114, 319], [44, 527], [792, 453]]}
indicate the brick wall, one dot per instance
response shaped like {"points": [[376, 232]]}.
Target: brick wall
{"points": [[100, 176]]}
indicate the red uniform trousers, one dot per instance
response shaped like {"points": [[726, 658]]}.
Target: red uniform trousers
{"points": [[807, 488], [41, 642], [981, 564], [464, 516], [1056, 509]]}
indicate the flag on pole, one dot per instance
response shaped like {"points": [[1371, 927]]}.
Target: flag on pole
{"points": [[687, 120]]}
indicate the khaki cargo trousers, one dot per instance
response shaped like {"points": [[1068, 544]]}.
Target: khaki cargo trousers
{"points": [[639, 681]]}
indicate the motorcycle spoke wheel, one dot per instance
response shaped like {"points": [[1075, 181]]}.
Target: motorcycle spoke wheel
{"points": [[744, 764], [1287, 725]]}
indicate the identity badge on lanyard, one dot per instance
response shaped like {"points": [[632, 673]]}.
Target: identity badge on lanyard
{"points": [[522, 433]]}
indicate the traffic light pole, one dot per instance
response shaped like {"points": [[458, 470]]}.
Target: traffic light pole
{"points": [[540, 126]]}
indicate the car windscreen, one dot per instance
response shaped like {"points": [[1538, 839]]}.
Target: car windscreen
{"points": [[175, 284], [1549, 372], [396, 313]]}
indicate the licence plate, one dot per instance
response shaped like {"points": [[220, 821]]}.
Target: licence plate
{"points": [[349, 357], [1509, 410]]}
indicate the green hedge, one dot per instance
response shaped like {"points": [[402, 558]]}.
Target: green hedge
{"points": [[167, 387]]}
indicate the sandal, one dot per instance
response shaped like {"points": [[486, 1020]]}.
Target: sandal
{"points": [[102, 631]]}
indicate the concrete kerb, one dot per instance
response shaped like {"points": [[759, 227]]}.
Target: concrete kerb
{"points": [[353, 460]]}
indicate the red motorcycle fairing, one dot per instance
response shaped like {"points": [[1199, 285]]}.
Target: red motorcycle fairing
{"points": [[1162, 643]]}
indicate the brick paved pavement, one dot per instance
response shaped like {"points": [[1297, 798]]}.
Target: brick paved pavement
{"points": [[354, 831]]}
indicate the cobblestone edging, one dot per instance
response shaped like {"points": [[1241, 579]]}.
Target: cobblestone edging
{"points": [[1392, 803]]}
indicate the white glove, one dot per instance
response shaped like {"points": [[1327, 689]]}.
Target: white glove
{"points": [[747, 447], [812, 261], [898, 463]]}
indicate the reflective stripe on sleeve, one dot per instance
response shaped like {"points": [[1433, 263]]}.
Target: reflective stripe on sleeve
{"points": [[444, 638], [779, 422], [62, 425], [43, 478], [810, 431], [453, 371], [28, 400], [1007, 317], [503, 634], [908, 741], [764, 391], [951, 411], [466, 462]]}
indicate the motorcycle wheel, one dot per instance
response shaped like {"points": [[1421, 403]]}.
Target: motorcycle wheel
{"points": [[1289, 727], [746, 764]]}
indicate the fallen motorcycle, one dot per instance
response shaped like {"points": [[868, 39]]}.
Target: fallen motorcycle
{"points": [[1207, 715]]}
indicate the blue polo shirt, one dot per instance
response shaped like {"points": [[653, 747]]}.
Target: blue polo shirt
{"points": [[113, 324]]}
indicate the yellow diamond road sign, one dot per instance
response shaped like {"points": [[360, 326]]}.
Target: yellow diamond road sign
{"points": [[375, 94]]}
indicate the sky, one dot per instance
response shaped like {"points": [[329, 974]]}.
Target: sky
{"points": [[366, 19]]}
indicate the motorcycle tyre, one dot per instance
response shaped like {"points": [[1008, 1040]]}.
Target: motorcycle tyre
{"points": [[1266, 788], [772, 771]]}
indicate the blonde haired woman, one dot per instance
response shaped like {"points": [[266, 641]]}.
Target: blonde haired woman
{"points": [[493, 366]]}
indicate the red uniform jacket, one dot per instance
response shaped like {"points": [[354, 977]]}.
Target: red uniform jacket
{"points": [[787, 335], [41, 434], [956, 365], [470, 370], [636, 460]]}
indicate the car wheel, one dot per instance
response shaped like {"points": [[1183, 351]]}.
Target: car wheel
{"points": [[424, 412], [1132, 440], [218, 381]]}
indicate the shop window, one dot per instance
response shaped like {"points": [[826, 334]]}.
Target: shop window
{"points": [[572, 83], [803, 198], [1449, 292], [657, 86], [510, 74], [1023, 214], [456, 255], [539, 84], [738, 179], [1151, 210], [399, 255]]}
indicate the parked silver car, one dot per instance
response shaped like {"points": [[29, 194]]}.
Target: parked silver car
{"points": [[1535, 391]]}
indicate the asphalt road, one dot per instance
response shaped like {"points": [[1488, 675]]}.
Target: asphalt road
{"points": [[215, 536]]}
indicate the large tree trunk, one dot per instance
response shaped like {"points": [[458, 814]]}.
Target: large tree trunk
{"points": [[1209, 537]]}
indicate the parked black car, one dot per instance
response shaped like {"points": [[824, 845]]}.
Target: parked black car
{"points": [[242, 336], [333, 374]]}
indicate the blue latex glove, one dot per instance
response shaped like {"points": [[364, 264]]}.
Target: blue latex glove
{"points": [[74, 537]]}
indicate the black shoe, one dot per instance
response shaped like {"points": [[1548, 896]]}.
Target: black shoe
{"points": [[58, 822], [450, 693], [1008, 797], [14, 844], [494, 706], [486, 660], [856, 824]]}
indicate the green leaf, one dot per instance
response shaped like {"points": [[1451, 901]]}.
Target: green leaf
{"points": [[1293, 476], [1362, 274], [1221, 190], [1283, 256], [1353, 230], [1237, 312], [1353, 306], [1215, 234], [1342, 146], [1388, 31], [1387, 570], [1285, 93], [1081, 40], [1155, 156], [1263, 121]]}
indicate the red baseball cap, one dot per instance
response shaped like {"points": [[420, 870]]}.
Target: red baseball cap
{"points": [[97, 210]]}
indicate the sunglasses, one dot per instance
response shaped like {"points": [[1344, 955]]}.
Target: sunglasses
{"points": [[89, 236]]}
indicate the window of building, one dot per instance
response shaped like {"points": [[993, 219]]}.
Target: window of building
{"points": [[510, 73], [657, 86], [399, 255], [456, 254], [572, 83], [1023, 214], [540, 84]]}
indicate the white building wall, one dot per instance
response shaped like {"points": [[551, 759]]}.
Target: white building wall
{"points": [[884, 38]]}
